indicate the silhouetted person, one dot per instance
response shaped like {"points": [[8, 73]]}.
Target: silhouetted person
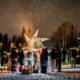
{"points": [[64, 52], [46, 57], [43, 60], [69, 56], [79, 52], [35, 66], [4, 59], [78, 58], [14, 60], [30, 60], [21, 59], [53, 59], [59, 55], [73, 57]]}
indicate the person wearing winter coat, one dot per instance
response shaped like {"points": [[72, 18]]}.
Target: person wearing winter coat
{"points": [[53, 59]]}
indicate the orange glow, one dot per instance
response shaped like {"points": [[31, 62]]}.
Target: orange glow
{"points": [[39, 53]]}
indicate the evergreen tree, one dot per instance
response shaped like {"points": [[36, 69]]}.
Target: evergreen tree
{"points": [[0, 42], [17, 42], [5, 42], [22, 36], [0, 37], [14, 38]]}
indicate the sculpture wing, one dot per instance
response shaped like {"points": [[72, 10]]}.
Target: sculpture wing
{"points": [[43, 39], [36, 34], [27, 38]]}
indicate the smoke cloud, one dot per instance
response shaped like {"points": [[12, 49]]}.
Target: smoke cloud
{"points": [[43, 14]]}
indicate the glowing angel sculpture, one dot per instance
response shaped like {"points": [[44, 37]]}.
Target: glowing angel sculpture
{"points": [[35, 41]]}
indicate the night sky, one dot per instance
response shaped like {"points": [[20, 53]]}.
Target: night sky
{"points": [[43, 14]]}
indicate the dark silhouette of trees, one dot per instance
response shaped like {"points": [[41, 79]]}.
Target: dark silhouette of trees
{"points": [[0, 37], [14, 38], [5, 42], [66, 35], [18, 41], [73, 38], [1, 42]]}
